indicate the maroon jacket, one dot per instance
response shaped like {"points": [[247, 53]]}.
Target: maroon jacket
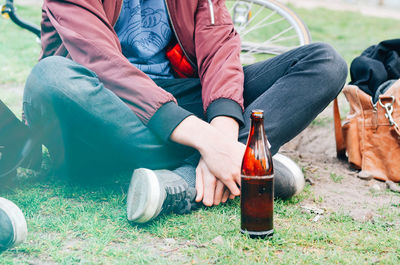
{"points": [[83, 31]]}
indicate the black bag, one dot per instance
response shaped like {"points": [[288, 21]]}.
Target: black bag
{"points": [[377, 64], [18, 147]]}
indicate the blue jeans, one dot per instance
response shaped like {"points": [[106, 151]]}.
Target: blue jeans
{"points": [[86, 127]]}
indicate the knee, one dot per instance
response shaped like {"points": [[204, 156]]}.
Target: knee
{"points": [[332, 68], [46, 74], [52, 75], [51, 69]]}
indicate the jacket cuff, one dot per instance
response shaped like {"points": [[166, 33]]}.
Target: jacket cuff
{"points": [[225, 107], [166, 119]]}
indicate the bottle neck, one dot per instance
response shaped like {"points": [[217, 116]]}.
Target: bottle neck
{"points": [[257, 160], [257, 129]]}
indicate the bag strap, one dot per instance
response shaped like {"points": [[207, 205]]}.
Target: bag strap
{"points": [[387, 103], [340, 144]]}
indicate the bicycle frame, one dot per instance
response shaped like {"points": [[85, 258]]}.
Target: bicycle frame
{"points": [[9, 10]]}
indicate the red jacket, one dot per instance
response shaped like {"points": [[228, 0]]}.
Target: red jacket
{"points": [[83, 31]]}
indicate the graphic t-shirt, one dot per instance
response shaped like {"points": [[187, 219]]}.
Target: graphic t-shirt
{"points": [[144, 32]]}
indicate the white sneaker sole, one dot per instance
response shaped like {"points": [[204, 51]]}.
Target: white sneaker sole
{"points": [[144, 199], [294, 169], [17, 219]]}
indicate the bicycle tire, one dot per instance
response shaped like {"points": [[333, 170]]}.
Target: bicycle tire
{"points": [[277, 11]]}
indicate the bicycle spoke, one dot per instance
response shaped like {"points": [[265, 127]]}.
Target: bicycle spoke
{"points": [[266, 28], [256, 15], [251, 48], [257, 26], [271, 39], [257, 50], [284, 39], [277, 35]]}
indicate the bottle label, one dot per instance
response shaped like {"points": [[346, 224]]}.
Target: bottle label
{"points": [[257, 205], [258, 177]]}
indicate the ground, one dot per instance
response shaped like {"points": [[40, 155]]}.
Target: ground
{"points": [[340, 219], [335, 185]]}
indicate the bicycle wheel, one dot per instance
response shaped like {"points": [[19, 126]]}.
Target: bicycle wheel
{"points": [[266, 28]]}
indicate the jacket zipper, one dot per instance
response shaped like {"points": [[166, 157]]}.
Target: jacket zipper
{"points": [[177, 38], [211, 6]]}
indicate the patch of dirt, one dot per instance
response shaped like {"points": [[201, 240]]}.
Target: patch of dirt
{"points": [[170, 248], [336, 187]]}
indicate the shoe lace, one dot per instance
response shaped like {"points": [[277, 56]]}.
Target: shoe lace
{"points": [[177, 201]]}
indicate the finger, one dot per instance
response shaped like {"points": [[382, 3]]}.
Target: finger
{"points": [[219, 191], [238, 179], [209, 188], [225, 195], [199, 185], [233, 188], [231, 196]]}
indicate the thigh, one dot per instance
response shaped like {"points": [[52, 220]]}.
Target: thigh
{"points": [[86, 125], [292, 89], [260, 76]]}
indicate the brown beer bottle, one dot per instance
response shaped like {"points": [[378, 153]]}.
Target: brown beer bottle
{"points": [[257, 182]]}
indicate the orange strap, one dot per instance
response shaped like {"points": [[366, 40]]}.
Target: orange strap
{"points": [[340, 144], [179, 62]]}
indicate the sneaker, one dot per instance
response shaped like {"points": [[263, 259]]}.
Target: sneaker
{"points": [[155, 192], [18, 146], [288, 178], [13, 228]]}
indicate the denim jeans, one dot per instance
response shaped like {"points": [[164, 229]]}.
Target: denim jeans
{"points": [[86, 127]]}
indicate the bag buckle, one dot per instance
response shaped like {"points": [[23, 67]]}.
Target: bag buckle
{"points": [[389, 110]]}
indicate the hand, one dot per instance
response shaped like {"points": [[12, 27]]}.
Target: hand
{"points": [[221, 154], [230, 129], [209, 189], [223, 160]]}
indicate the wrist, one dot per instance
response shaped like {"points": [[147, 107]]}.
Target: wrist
{"points": [[227, 126]]}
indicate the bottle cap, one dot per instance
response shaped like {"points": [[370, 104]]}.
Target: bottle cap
{"points": [[257, 113]]}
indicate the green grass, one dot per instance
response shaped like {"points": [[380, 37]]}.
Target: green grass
{"points": [[350, 33], [87, 224], [19, 50], [321, 121], [74, 223], [336, 178]]}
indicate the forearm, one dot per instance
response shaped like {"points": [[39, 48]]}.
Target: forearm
{"points": [[195, 133], [200, 135]]}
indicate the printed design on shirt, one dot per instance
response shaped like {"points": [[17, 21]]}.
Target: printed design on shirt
{"points": [[151, 18], [148, 40], [166, 31], [144, 32], [133, 10]]}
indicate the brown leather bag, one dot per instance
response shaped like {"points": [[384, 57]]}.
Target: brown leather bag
{"points": [[370, 134]]}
